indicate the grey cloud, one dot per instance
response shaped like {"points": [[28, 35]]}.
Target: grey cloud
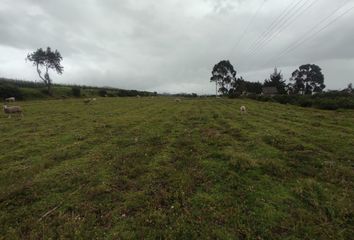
{"points": [[168, 45]]}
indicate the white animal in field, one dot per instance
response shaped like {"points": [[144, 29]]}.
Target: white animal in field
{"points": [[12, 110], [10, 99], [178, 100], [243, 109], [89, 100]]}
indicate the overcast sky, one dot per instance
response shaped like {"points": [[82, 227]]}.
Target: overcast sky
{"points": [[172, 45]]}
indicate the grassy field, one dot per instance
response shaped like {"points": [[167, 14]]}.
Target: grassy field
{"points": [[151, 168]]}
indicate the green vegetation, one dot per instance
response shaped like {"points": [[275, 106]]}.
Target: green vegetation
{"points": [[151, 168], [26, 90], [329, 100]]}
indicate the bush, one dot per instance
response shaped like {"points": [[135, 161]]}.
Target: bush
{"points": [[333, 94], [76, 91], [347, 103], [45, 91], [327, 101], [102, 93], [327, 104], [9, 90], [252, 96], [234, 95], [264, 99], [32, 93], [304, 102], [284, 99]]}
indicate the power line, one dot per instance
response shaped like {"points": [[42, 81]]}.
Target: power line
{"points": [[296, 11], [271, 25], [301, 41], [248, 26], [296, 16], [274, 24]]}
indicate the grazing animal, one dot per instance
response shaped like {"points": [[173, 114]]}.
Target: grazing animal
{"points": [[243, 109], [12, 110], [10, 99], [89, 100], [178, 100]]}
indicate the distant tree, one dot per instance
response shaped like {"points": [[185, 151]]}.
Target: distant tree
{"points": [[223, 75], [290, 89], [254, 87], [308, 79], [238, 86], [10, 90], [104, 93], [44, 61], [349, 89], [276, 80], [76, 91]]}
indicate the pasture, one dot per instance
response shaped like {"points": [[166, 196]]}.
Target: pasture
{"points": [[153, 168]]}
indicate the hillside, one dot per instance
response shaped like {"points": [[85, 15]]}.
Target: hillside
{"points": [[27, 90], [152, 168]]}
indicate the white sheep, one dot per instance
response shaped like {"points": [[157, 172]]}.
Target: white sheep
{"points": [[89, 100], [178, 100], [243, 109], [10, 99], [12, 110]]}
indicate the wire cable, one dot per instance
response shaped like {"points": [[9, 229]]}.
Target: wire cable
{"points": [[301, 41], [297, 11], [248, 26], [275, 24]]}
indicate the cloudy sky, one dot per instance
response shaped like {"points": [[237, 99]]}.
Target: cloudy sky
{"points": [[172, 45]]}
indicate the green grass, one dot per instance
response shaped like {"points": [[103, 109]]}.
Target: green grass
{"points": [[127, 168]]}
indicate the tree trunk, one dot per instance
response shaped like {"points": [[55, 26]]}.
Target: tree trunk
{"points": [[45, 81], [49, 87], [48, 82]]}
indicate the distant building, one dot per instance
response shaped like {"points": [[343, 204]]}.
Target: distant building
{"points": [[270, 91]]}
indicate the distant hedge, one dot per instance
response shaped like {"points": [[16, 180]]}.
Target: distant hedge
{"points": [[26, 90], [9, 90], [76, 91], [327, 101]]}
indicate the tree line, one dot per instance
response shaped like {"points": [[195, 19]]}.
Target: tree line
{"points": [[306, 80]]}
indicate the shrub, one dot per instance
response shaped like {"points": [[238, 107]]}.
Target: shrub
{"points": [[328, 101], [76, 91], [327, 104], [304, 102], [102, 92], [347, 103], [44, 91], [284, 99], [32, 93], [234, 95], [264, 99], [252, 96], [9, 90]]}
